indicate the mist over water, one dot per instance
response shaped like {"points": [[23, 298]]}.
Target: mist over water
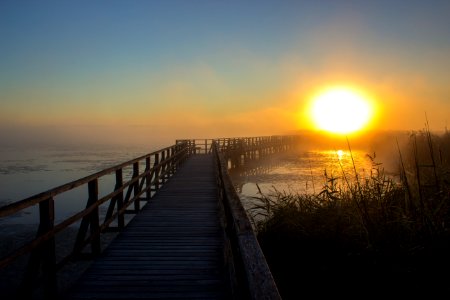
{"points": [[26, 170], [306, 169], [300, 172]]}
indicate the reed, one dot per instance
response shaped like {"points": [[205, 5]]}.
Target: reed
{"points": [[370, 227]]}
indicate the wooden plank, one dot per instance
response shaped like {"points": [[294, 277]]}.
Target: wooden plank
{"points": [[172, 249], [183, 277], [147, 288], [136, 295], [155, 282]]}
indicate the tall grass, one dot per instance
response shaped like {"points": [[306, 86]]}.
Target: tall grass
{"points": [[363, 226]]}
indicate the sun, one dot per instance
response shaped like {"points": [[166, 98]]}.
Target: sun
{"points": [[341, 110]]}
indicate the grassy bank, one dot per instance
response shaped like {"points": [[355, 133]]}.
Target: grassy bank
{"points": [[365, 234]]}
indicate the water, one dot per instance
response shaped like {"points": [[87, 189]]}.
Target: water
{"points": [[25, 172], [299, 172]]}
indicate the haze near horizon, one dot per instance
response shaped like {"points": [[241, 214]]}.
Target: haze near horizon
{"points": [[143, 72]]}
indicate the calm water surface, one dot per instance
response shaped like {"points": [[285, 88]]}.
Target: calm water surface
{"points": [[301, 172], [28, 171]]}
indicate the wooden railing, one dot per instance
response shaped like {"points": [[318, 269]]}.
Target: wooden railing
{"points": [[159, 167], [250, 276], [198, 146], [240, 149]]}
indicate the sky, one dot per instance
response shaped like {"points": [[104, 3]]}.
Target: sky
{"points": [[155, 71]]}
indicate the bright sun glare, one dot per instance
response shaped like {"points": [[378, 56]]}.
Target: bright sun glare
{"points": [[341, 110]]}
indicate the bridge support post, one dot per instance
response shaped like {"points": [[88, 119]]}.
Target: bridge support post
{"points": [[44, 256], [157, 172], [137, 205], [119, 197], [148, 179], [94, 217]]}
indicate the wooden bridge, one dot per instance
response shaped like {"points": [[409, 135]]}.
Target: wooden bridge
{"points": [[191, 239]]}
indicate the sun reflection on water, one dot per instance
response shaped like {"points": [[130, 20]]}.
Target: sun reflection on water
{"points": [[300, 173]]}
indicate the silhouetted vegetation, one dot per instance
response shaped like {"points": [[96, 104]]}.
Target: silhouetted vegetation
{"points": [[372, 234]]}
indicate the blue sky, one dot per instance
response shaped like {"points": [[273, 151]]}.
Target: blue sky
{"points": [[220, 66]]}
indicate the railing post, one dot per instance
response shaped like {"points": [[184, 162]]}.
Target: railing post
{"points": [[172, 163], [47, 216], [169, 166], [136, 191], [148, 178], [44, 256], [157, 171], [163, 167], [94, 217], [119, 197]]}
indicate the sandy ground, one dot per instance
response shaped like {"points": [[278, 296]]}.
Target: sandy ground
{"points": [[14, 236]]}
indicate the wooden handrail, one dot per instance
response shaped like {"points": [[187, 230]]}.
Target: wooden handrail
{"points": [[42, 247], [240, 145], [25, 203], [248, 258], [159, 167]]}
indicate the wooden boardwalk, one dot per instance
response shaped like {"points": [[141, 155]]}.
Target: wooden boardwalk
{"points": [[173, 249]]}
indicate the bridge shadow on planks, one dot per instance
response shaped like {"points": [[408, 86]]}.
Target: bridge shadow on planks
{"points": [[172, 249]]}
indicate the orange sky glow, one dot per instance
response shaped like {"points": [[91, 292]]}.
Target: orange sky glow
{"points": [[94, 84]]}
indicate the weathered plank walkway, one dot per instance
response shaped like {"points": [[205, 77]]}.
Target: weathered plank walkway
{"points": [[172, 249]]}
